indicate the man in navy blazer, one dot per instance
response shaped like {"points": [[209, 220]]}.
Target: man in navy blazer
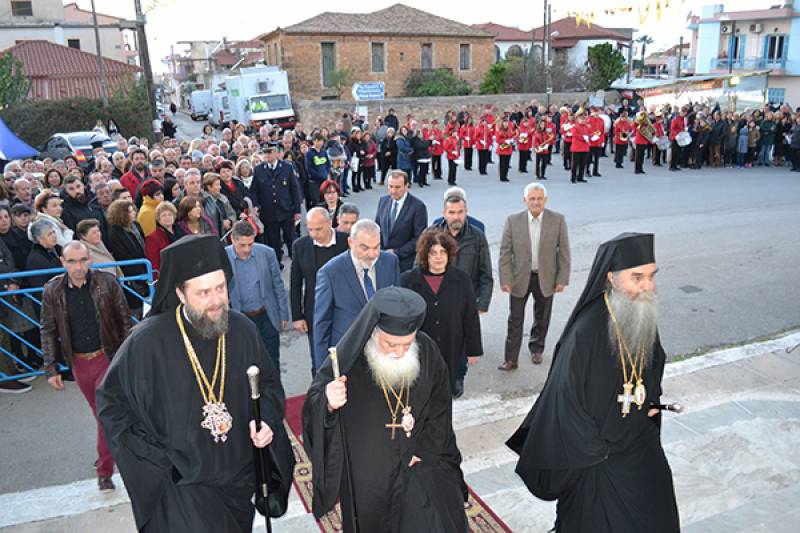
{"points": [[347, 281], [402, 217], [256, 288]]}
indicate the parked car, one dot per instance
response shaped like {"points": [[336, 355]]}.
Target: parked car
{"points": [[78, 143]]}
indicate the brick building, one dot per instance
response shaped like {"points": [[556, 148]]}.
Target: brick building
{"points": [[385, 45]]}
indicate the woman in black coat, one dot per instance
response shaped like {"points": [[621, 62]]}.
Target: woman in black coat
{"points": [[452, 314], [126, 242]]}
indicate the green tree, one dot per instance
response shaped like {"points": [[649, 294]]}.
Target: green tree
{"points": [[605, 65], [436, 82], [340, 79], [644, 40], [13, 84], [494, 82]]}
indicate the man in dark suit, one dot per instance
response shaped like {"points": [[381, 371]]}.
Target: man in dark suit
{"points": [[534, 259], [310, 253], [402, 217], [347, 281], [276, 193]]}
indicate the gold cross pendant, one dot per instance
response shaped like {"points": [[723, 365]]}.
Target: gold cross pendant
{"points": [[393, 426]]}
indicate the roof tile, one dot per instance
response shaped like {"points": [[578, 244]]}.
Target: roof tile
{"points": [[46, 59]]}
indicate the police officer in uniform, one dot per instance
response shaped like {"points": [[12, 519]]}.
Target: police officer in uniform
{"points": [[276, 193]]}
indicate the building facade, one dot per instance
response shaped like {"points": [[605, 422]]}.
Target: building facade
{"points": [[383, 46], [508, 41], [66, 25], [750, 41], [571, 41]]}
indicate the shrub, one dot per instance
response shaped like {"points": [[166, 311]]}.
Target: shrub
{"points": [[35, 121], [436, 82]]}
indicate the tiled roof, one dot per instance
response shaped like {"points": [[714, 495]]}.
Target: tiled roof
{"points": [[224, 58], [755, 14], [504, 33], [398, 19], [569, 30], [46, 59]]}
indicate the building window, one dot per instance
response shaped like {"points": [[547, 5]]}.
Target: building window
{"points": [[426, 56], [21, 9], [498, 55], [328, 62], [774, 48], [377, 51], [74, 43], [776, 96], [465, 57], [734, 45]]}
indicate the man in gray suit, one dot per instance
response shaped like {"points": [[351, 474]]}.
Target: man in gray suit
{"points": [[534, 259]]}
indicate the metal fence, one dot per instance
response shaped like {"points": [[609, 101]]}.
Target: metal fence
{"points": [[33, 294]]}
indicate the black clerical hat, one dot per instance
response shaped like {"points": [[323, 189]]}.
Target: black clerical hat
{"points": [[188, 257], [395, 310]]}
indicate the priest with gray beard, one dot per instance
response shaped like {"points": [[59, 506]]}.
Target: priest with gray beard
{"points": [[592, 441], [380, 437]]}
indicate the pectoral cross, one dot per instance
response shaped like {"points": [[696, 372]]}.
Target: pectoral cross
{"points": [[394, 426], [626, 398]]}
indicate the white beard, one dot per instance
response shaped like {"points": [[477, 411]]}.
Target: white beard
{"points": [[388, 368], [638, 323]]}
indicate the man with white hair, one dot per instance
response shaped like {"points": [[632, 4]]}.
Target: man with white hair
{"points": [[347, 282], [380, 436], [601, 405], [534, 259]]}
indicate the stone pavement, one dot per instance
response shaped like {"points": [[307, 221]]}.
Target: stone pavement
{"points": [[734, 455]]}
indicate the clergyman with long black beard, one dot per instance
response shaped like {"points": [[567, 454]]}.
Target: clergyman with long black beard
{"points": [[592, 440]]}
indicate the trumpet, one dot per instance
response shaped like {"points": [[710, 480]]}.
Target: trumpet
{"points": [[544, 146], [624, 136]]}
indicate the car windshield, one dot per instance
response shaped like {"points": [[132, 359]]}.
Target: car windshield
{"points": [[270, 102], [84, 139]]}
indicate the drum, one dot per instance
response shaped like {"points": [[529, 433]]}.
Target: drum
{"points": [[663, 143], [684, 138]]}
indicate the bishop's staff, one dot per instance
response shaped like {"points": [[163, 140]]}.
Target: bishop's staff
{"points": [[334, 357], [261, 460]]}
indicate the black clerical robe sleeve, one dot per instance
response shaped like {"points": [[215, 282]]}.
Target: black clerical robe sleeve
{"points": [[141, 459]]}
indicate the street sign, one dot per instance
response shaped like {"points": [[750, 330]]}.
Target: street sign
{"points": [[373, 90]]}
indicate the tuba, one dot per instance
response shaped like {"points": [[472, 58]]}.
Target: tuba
{"points": [[646, 127]]}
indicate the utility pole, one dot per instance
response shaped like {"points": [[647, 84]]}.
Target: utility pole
{"points": [[144, 57], [544, 41], [630, 58], [100, 63], [548, 56], [680, 57]]}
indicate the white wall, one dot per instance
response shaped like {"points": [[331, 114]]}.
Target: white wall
{"points": [[110, 39], [505, 45], [49, 10], [579, 54]]}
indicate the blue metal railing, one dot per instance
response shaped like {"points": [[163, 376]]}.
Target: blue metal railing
{"points": [[749, 63], [28, 293]]}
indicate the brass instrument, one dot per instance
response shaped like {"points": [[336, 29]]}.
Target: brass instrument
{"points": [[646, 128], [624, 136], [544, 146]]}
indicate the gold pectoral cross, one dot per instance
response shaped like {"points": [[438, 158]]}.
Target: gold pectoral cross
{"points": [[626, 398], [393, 426]]}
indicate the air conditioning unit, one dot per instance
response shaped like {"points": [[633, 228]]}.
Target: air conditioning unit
{"points": [[263, 86], [756, 28], [725, 30]]}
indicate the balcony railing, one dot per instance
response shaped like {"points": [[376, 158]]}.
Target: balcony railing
{"points": [[749, 63]]}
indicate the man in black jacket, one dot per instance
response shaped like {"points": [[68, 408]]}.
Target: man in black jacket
{"points": [[76, 205], [309, 254]]}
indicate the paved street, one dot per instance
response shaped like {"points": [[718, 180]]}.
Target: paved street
{"points": [[728, 248]]}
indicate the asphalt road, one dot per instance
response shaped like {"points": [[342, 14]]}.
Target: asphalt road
{"points": [[727, 246]]}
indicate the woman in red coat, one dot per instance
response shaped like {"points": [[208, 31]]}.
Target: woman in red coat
{"points": [[466, 135], [452, 150], [524, 143], [580, 147], [542, 141], [483, 142], [505, 147], [162, 236]]}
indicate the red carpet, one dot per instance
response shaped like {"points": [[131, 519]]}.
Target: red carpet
{"points": [[479, 516]]}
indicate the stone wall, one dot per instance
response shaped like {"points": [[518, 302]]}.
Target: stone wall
{"points": [[301, 57], [324, 113]]}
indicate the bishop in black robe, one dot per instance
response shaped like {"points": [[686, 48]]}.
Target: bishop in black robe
{"points": [[151, 409], [608, 472], [385, 493]]}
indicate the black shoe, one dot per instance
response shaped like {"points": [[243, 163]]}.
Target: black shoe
{"points": [[105, 484], [573, 181], [14, 387], [620, 166], [542, 178], [458, 390], [597, 175], [582, 181]]}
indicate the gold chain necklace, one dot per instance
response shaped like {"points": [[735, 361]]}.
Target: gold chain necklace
{"points": [[407, 422], [629, 394], [216, 418]]}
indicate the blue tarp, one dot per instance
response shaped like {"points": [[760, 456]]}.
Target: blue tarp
{"points": [[12, 147]]}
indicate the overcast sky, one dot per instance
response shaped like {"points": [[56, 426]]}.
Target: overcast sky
{"points": [[171, 21]]}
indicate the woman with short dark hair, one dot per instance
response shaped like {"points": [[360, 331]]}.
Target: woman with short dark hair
{"points": [[192, 220], [452, 318], [126, 242]]}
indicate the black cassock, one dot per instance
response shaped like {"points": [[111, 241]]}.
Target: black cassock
{"points": [[150, 408], [390, 496], [608, 473]]}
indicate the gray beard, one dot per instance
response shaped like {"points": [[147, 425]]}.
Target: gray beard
{"points": [[386, 368], [637, 321], [206, 327]]}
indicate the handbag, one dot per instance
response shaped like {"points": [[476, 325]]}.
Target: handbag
{"points": [[354, 161]]}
